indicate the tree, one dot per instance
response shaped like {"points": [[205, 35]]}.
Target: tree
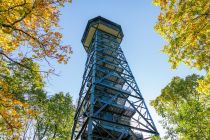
{"points": [[16, 84], [28, 34], [55, 117], [185, 111], [184, 24], [32, 24], [10, 112]]}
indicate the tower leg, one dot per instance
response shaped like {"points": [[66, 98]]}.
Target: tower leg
{"points": [[90, 129]]}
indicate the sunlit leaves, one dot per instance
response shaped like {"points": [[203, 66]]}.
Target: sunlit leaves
{"points": [[9, 114], [16, 83], [204, 85], [29, 32], [185, 112], [55, 117], [33, 24], [186, 28]]}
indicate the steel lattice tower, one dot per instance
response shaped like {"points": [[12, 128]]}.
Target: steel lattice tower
{"points": [[110, 103]]}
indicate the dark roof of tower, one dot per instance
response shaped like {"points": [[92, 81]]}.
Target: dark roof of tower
{"points": [[103, 24]]}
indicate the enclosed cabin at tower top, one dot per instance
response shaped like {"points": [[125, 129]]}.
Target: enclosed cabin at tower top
{"points": [[101, 24]]}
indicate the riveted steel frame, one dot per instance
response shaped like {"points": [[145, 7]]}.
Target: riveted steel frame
{"points": [[87, 117]]}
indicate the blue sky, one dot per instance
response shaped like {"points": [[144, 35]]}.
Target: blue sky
{"points": [[141, 46]]}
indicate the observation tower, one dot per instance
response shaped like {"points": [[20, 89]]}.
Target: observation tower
{"points": [[110, 104]]}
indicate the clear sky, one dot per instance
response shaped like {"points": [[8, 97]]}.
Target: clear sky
{"points": [[141, 46]]}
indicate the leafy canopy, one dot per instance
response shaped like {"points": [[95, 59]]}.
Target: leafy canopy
{"points": [[54, 119], [185, 111], [28, 33], [32, 24], [185, 26], [16, 83]]}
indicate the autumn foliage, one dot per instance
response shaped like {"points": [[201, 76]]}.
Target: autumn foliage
{"points": [[32, 24], [16, 84], [184, 111], [185, 26], [29, 34], [184, 102], [10, 118]]}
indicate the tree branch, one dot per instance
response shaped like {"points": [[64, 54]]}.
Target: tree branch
{"points": [[18, 63]]}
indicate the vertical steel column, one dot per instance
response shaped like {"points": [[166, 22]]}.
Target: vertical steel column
{"points": [[90, 119]]}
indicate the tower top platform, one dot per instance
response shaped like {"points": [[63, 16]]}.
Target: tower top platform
{"points": [[105, 25]]}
